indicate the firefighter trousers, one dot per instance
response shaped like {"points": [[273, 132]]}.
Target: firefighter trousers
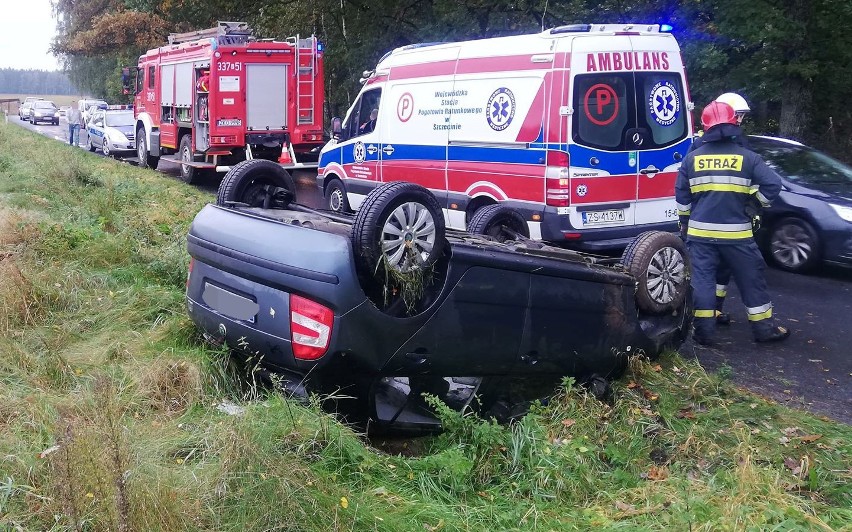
{"points": [[747, 267]]}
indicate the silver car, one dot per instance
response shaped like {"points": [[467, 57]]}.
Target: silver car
{"points": [[111, 131]]}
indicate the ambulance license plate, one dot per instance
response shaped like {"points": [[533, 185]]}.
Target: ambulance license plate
{"points": [[603, 217]]}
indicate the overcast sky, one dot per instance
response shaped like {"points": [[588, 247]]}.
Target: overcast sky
{"points": [[28, 27]]}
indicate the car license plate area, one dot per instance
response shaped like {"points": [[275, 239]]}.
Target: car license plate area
{"points": [[603, 217], [229, 304]]}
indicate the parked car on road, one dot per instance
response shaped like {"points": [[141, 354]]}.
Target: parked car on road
{"points": [[87, 105], [387, 304], [111, 131], [24, 108], [44, 111], [811, 221]]}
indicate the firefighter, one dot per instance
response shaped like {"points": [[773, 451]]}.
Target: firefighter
{"points": [[723, 273], [713, 193]]}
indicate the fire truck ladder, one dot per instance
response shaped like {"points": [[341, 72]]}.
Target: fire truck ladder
{"points": [[306, 65], [225, 33]]}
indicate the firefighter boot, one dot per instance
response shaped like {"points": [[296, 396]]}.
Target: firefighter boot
{"points": [[774, 333], [722, 318], [704, 333]]}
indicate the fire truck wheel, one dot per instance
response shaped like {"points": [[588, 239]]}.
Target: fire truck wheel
{"points": [[188, 174], [258, 183], [659, 262], [335, 197], [399, 227], [499, 222], [146, 160]]}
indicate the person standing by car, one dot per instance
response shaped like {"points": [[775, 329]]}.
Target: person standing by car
{"points": [[75, 121], [713, 191], [723, 273]]}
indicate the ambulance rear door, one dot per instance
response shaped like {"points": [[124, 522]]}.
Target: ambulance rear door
{"points": [[664, 123], [604, 139]]}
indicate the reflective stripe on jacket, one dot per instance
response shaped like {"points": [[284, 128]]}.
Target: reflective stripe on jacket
{"points": [[713, 187]]}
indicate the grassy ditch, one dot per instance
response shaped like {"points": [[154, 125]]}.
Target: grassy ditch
{"points": [[112, 411]]}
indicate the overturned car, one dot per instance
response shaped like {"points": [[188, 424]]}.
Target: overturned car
{"points": [[388, 304]]}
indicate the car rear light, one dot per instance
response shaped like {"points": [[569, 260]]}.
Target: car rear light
{"points": [[228, 139], [558, 192], [310, 328]]}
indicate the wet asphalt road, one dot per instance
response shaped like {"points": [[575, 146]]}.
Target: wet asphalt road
{"points": [[812, 369]]}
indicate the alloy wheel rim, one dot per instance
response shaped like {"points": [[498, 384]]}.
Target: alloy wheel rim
{"points": [[791, 246], [408, 236], [666, 273], [335, 200]]}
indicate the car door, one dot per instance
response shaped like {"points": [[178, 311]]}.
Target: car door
{"points": [[360, 147], [96, 130]]}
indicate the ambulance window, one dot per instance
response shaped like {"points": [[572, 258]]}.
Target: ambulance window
{"points": [[660, 94], [151, 77], [603, 105], [363, 118]]}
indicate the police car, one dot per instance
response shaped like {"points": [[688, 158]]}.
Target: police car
{"points": [[111, 131]]}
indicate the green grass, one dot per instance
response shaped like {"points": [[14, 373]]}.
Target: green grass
{"points": [[108, 417]]}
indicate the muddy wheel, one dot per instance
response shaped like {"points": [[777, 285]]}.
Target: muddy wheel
{"points": [[400, 225], [146, 160], [660, 264], [335, 197], [794, 245], [257, 183], [188, 174], [499, 222]]}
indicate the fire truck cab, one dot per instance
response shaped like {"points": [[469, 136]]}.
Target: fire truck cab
{"points": [[215, 97], [579, 129]]}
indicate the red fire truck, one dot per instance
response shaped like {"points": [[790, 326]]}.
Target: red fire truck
{"points": [[212, 98]]}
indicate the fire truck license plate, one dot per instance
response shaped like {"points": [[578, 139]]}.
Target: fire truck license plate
{"points": [[603, 217], [224, 122]]}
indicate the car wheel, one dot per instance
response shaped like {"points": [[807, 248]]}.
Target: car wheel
{"points": [[105, 148], [89, 145], [146, 160], [794, 245], [660, 264], [400, 226], [188, 174], [499, 222], [257, 183], [335, 197]]}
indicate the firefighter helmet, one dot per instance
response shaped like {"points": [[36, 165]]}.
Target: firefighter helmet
{"points": [[717, 113], [734, 100]]}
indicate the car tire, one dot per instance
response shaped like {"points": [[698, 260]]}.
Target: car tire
{"points": [[105, 148], [89, 145], [793, 245], [335, 197], [411, 216], [146, 160], [188, 174], [659, 262], [257, 183], [498, 222]]}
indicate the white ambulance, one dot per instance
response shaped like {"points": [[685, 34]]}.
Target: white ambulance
{"points": [[580, 129]]}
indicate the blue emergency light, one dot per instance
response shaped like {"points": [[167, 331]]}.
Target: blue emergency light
{"points": [[665, 27], [319, 46]]}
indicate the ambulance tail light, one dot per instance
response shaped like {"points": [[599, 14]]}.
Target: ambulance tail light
{"points": [[558, 192], [310, 328], [557, 158]]}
